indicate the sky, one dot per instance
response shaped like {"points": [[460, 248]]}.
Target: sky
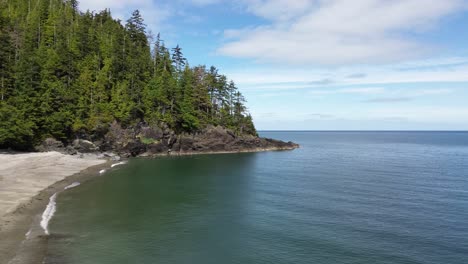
{"points": [[326, 64]]}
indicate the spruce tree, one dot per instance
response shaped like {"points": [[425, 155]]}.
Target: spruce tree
{"points": [[65, 74]]}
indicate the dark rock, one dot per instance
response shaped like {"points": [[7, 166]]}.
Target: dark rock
{"points": [[134, 148], [160, 140], [158, 148], [120, 140], [215, 140], [185, 144], [50, 144], [151, 132], [70, 150], [84, 146]]}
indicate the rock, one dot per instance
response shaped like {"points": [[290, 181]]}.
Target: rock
{"points": [[84, 146], [158, 148], [134, 149], [126, 141], [70, 150], [112, 156], [147, 139], [50, 144], [154, 132], [213, 140]]}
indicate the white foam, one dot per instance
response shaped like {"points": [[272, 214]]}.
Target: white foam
{"points": [[102, 171], [73, 185], [28, 233], [49, 213], [118, 164]]}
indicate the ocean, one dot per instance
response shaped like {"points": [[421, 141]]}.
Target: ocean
{"points": [[343, 197]]}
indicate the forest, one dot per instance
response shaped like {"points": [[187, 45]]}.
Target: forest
{"points": [[66, 73]]}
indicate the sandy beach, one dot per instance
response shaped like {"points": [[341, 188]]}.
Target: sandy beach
{"points": [[27, 181]]}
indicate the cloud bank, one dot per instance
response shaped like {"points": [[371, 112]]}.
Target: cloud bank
{"points": [[336, 32]]}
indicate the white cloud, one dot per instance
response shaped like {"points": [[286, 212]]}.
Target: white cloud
{"points": [[424, 114], [278, 9], [154, 13], [429, 114], [338, 31], [421, 92], [440, 70], [389, 95], [98, 5], [364, 91]]}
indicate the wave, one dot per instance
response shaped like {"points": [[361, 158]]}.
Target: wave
{"points": [[118, 164], [49, 213], [28, 234], [73, 185], [102, 171]]}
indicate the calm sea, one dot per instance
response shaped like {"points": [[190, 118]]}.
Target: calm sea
{"points": [[343, 197]]}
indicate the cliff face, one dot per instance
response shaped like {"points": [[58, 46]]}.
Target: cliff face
{"points": [[145, 140]]}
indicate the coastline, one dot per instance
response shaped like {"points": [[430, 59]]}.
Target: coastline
{"points": [[24, 216], [195, 153], [23, 238]]}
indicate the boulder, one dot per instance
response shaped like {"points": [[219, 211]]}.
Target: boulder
{"points": [[50, 144], [154, 132], [84, 146], [133, 149], [70, 150], [158, 148]]}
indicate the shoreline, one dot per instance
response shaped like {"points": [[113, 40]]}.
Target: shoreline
{"points": [[17, 247], [24, 240], [195, 153]]}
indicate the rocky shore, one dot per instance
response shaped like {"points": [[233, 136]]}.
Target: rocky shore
{"points": [[29, 179], [145, 140]]}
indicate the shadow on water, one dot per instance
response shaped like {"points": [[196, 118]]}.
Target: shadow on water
{"points": [[149, 205]]}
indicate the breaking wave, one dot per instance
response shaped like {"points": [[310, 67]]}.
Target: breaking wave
{"points": [[73, 185], [118, 164], [49, 213]]}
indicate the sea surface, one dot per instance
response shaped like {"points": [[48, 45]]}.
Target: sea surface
{"points": [[343, 197]]}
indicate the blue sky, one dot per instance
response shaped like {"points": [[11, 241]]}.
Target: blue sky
{"points": [[326, 64]]}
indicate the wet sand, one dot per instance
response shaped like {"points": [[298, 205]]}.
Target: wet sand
{"points": [[27, 181]]}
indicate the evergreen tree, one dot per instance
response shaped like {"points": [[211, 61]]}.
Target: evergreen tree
{"points": [[178, 58], [6, 60], [64, 73]]}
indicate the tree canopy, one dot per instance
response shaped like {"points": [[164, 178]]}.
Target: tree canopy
{"points": [[65, 73]]}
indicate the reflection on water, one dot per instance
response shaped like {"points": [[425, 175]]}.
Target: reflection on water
{"points": [[355, 197]]}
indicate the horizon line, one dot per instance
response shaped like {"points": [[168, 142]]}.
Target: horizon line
{"points": [[352, 130]]}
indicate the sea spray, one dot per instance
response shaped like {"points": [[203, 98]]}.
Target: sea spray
{"points": [[73, 185], [118, 164], [49, 213]]}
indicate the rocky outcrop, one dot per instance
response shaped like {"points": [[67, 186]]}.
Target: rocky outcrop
{"points": [[143, 139], [51, 144], [220, 140], [146, 140]]}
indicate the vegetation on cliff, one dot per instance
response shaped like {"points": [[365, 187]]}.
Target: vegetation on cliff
{"points": [[67, 74]]}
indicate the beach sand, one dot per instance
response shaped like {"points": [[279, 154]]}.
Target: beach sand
{"points": [[27, 181]]}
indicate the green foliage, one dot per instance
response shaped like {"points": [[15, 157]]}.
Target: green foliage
{"points": [[148, 141], [15, 131], [64, 73]]}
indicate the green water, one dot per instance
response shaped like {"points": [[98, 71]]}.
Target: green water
{"points": [[129, 215], [350, 197]]}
